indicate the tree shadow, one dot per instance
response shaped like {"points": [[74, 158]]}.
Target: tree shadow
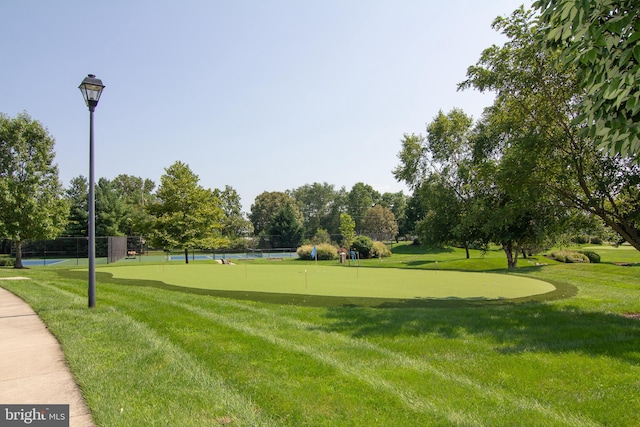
{"points": [[514, 328]]}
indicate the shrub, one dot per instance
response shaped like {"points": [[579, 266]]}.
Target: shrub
{"points": [[324, 252], [7, 262], [593, 256], [380, 250], [363, 245], [569, 257]]}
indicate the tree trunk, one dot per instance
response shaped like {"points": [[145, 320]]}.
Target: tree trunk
{"points": [[186, 256], [512, 255], [466, 248], [18, 263]]}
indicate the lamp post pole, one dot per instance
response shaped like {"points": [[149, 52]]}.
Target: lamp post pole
{"points": [[92, 217], [91, 89]]}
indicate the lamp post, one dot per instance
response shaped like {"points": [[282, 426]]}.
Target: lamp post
{"points": [[91, 89]]}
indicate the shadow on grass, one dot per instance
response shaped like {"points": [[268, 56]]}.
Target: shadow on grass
{"points": [[420, 250], [514, 328]]}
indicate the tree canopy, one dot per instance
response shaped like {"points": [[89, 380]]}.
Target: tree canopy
{"points": [[31, 202], [185, 215], [601, 40]]}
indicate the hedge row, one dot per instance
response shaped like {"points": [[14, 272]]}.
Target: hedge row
{"points": [[575, 256]]}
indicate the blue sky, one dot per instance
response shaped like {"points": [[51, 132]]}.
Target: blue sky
{"points": [[258, 95]]}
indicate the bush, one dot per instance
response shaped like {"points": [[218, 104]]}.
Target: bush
{"points": [[569, 257], [7, 262], [593, 257], [363, 245], [324, 252], [380, 250]]}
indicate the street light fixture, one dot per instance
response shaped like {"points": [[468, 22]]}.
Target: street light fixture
{"points": [[91, 89]]}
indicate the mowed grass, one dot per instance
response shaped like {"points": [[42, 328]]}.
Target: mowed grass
{"points": [[341, 281], [151, 354]]}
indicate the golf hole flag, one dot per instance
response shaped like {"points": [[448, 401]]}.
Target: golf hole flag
{"points": [[313, 252]]}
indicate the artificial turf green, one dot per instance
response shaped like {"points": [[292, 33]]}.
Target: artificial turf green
{"points": [[340, 281]]}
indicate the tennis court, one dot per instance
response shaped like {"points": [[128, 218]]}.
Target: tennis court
{"points": [[42, 262]]}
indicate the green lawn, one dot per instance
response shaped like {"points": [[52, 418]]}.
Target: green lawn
{"points": [[158, 354]]}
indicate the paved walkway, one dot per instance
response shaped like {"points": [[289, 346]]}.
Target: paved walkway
{"points": [[32, 365]]}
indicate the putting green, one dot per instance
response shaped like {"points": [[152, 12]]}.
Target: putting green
{"points": [[337, 280]]}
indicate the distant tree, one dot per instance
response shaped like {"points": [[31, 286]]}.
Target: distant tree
{"points": [[397, 202], [347, 230], [266, 206], [135, 193], [380, 223], [321, 236], [111, 210], [31, 195], [315, 202], [234, 224], [361, 197], [185, 215], [286, 230], [77, 196], [601, 39]]}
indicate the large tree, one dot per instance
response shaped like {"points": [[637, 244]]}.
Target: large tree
{"points": [[361, 197], [31, 195], [315, 202], [264, 208], [380, 223], [111, 210], [537, 101], [135, 193], [601, 39], [439, 167], [185, 215], [285, 229], [234, 224]]}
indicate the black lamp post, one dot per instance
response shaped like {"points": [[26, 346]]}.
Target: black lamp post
{"points": [[91, 89]]}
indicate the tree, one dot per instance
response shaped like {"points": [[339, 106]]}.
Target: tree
{"points": [[397, 202], [286, 230], [135, 192], [601, 40], [77, 196], [234, 224], [380, 223], [111, 210], [440, 213], [265, 207], [185, 215], [361, 197], [347, 230], [315, 202], [532, 118], [31, 202], [441, 177], [412, 168]]}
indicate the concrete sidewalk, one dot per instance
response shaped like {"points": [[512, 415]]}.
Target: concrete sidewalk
{"points": [[32, 366]]}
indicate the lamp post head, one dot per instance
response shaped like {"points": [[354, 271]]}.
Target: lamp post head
{"points": [[91, 89]]}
